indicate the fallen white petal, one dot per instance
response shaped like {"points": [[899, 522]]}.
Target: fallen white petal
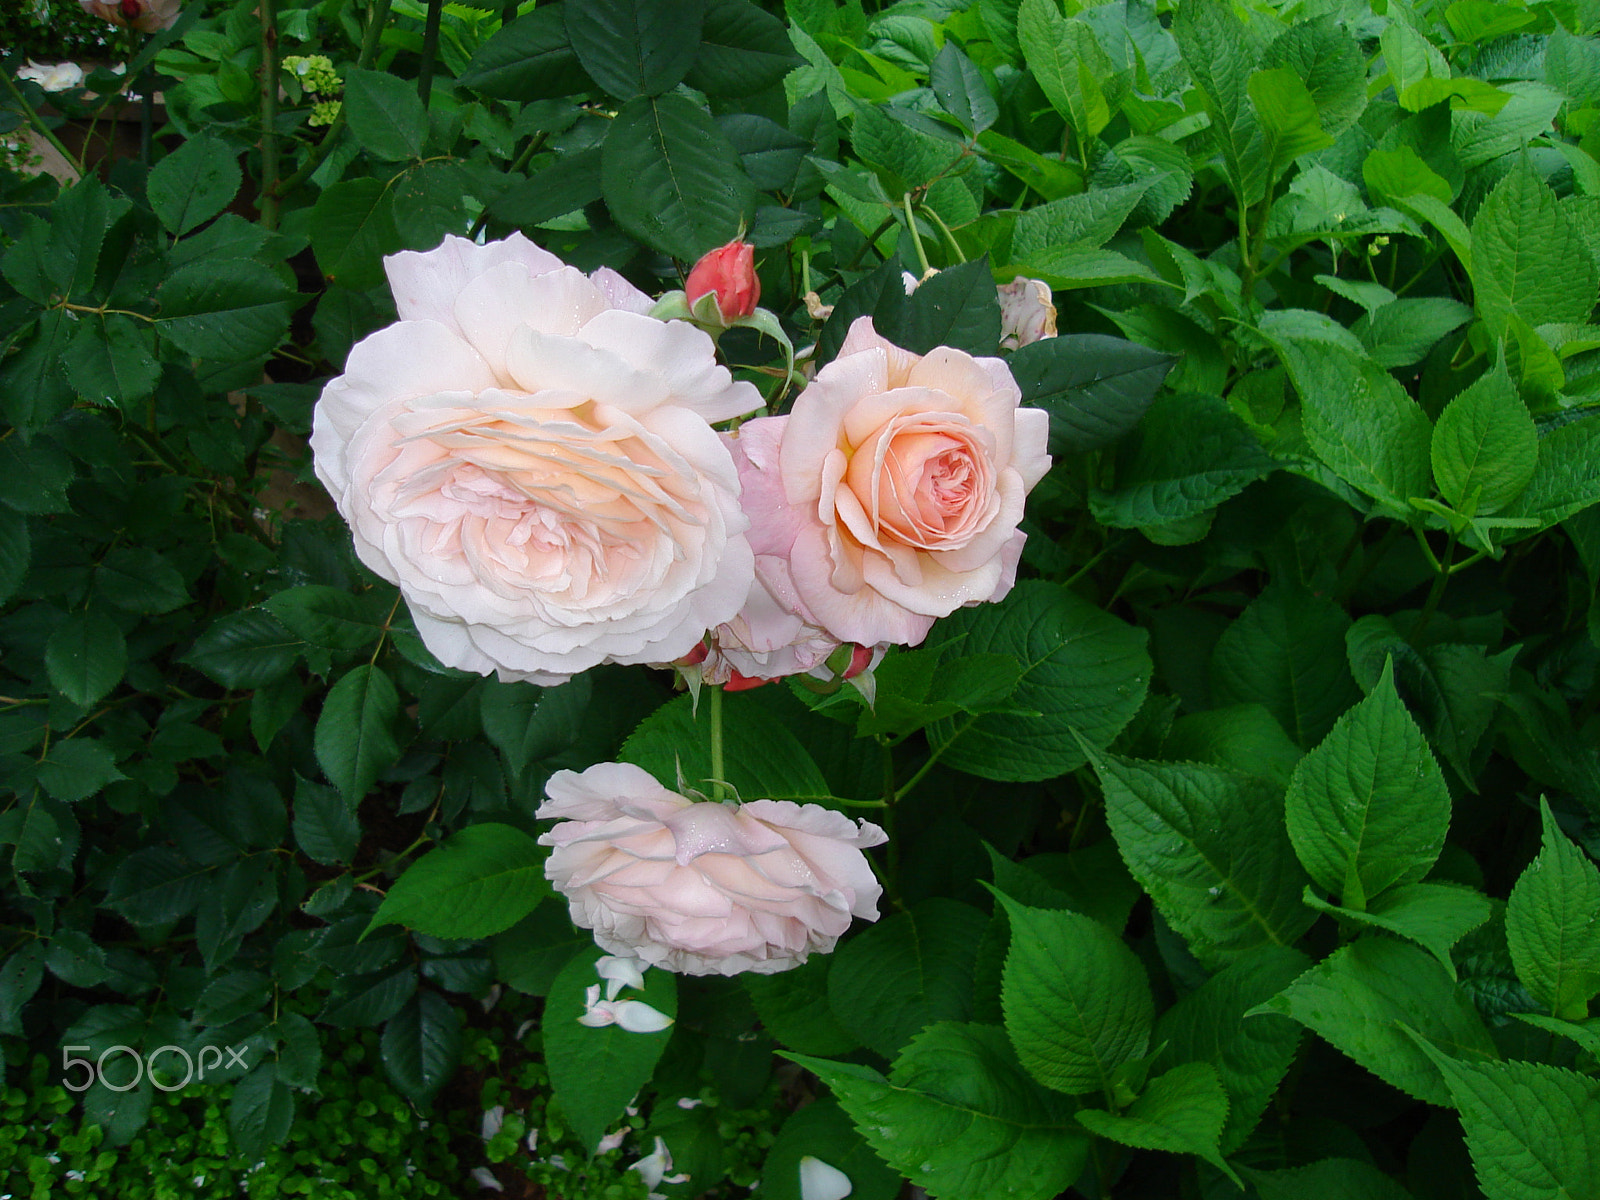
{"points": [[819, 1181]]}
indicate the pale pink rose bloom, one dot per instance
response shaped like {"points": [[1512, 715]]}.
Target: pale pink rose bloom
{"points": [[704, 888], [529, 457], [149, 16], [911, 471], [1026, 313]]}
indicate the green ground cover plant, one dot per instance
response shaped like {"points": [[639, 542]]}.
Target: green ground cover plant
{"points": [[1246, 846]]}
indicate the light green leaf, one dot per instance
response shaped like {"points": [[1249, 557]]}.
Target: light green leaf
{"points": [[1360, 422], [1087, 220], [1083, 672], [1434, 915], [1564, 480], [1485, 444], [1288, 116], [1077, 1002], [484, 879], [906, 972], [1552, 926], [1209, 847], [1362, 997], [1068, 63], [355, 731], [1402, 332], [1528, 257], [1181, 1112], [1368, 807], [959, 1118], [1240, 737], [1250, 1056]]}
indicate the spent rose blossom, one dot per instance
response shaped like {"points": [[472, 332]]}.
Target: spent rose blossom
{"points": [[148, 16], [1026, 313], [528, 455], [53, 77], [909, 473], [704, 888], [729, 272]]}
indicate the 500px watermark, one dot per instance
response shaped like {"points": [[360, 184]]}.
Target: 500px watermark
{"points": [[95, 1069]]}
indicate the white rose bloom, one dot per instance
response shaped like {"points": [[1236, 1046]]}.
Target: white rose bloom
{"points": [[529, 456]]}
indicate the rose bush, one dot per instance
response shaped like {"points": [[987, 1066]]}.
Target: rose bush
{"points": [[704, 888], [905, 477], [529, 456]]}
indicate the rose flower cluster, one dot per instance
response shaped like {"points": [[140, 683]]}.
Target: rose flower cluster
{"points": [[531, 457]]}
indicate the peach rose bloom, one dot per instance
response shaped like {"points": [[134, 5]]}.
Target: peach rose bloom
{"points": [[910, 472], [529, 456], [149, 16], [704, 888]]}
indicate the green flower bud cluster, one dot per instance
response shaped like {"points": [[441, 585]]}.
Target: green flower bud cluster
{"points": [[315, 74]]}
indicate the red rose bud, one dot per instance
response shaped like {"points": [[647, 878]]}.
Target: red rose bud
{"points": [[742, 683], [860, 660], [730, 272]]}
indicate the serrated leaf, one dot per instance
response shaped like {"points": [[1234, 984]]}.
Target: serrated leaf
{"points": [[1533, 1129], [16, 552], [1250, 1056], [385, 114], [1077, 1002], [1329, 1179], [76, 769], [1068, 63], [743, 50], [369, 999], [1368, 808], [331, 617], [156, 885], [1360, 422], [1361, 998], [229, 997], [193, 184], [1095, 388], [1181, 1112], [1084, 672], [1086, 220], [110, 363], [961, 89], [86, 657], [959, 1118], [1189, 454], [1485, 444], [324, 826], [139, 580], [906, 972], [1553, 925], [1434, 915], [1285, 652], [596, 1072], [245, 649], [260, 1111], [1528, 258], [786, 1002], [1208, 845], [228, 311], [635, 47], [671, 179], [1564, 480], [421, 1047], [352, 227], [355, 738], [565, 185], [299, 1051], [484, 879], [528, 59]]}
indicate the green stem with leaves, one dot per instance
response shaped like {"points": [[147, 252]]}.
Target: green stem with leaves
{"points": [[38, 124]]}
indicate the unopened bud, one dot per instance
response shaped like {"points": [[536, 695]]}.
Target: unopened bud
{"points": [[728, 272]]}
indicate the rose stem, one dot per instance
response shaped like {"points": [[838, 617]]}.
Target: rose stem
{"points": [[430, 48], [911, 225], [268, 203], [719, 787]]}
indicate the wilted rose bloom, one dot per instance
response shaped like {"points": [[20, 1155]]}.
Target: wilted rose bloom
{"points": [[528, 455], [150, 16], [704, 888], [53, 77], [1026, 314], [909, 473], [730, 272]]}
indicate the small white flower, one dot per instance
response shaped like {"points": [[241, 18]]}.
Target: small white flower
{"points": [[619, 973], [819, 1181], [492, 1120], [556, 1161], [612, 1140], [653, 1168], [486, 1179], [689, 1102], [53, 77], [533, 1140]]}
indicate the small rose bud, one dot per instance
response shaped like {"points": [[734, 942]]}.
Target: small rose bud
{"points": [[730, 272]]}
